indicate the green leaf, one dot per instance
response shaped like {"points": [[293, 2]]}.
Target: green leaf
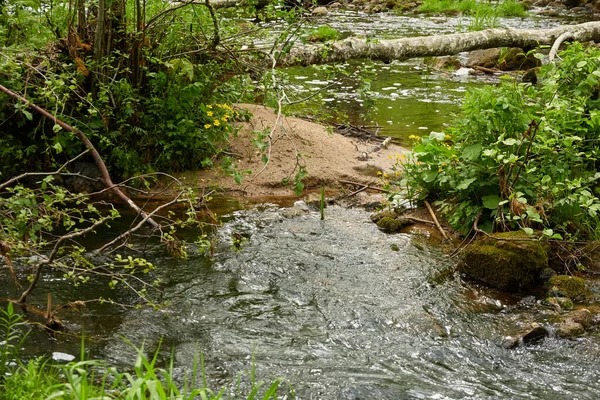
{"points": [[491, 201], [440, 136], [472, 152], [465, 184], [581, 64], [429, 176], [510, 141], [528, 231]]}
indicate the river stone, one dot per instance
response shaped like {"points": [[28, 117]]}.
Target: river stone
{"points": [[505, 264], [582, 316], [320, 11], [569, 328], [504, 59], [446, 63], [567, 286], [536, 333], [392, 225], [377, 216], [533, 334], [565, 303]]}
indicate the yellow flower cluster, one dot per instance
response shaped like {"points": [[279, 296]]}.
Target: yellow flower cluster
{"points": [[229, 113]]}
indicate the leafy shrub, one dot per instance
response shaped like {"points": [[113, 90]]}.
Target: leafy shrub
{"points": [[523, 156], [323, 33]]}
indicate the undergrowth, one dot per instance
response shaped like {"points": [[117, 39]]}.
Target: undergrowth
{"points": [[520, 156]]}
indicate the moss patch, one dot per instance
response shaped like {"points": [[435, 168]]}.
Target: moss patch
{"points": [[505, 264], [391, 225], [568, 286]]}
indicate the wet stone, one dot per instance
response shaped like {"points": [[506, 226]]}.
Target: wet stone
{"points": [[569, 329], [567, 286], [582, 316]]}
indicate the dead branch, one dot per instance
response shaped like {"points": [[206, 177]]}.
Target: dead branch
{"points": [[435, 220]]}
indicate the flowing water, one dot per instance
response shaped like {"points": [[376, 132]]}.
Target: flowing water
{"points": [[341, 310]]}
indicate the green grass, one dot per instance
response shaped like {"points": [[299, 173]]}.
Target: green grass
{"points": [[506, 8], [323, 33]]}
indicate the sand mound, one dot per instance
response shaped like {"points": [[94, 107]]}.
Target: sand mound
{"points": [[328, 158]]}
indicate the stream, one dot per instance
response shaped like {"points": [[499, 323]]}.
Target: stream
{"points": [[339, 310], [336, 308]]}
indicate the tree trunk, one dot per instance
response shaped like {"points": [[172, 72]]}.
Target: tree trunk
{"points": [[438, 45]]}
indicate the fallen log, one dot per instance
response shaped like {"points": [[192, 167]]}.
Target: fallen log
{"points": [[437, 45]]}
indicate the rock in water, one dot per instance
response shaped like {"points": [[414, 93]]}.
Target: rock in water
{"points": [[567, 286], [569, 328], [319, 11], [508, 264]]}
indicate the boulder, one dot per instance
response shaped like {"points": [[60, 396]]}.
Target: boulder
{"points": [[379, 215], [569, 328], [504, 59], [567, 286], [533, 334], [505, 264]]}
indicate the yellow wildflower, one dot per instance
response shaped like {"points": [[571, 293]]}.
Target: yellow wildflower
{"points": [[390, 157], [440, 169], [414, 137], [379, 173], [206, 126], [209, 107], [209, 113], [217, 122]]}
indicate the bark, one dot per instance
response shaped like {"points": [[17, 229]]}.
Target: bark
{"points": [[438, 45]]}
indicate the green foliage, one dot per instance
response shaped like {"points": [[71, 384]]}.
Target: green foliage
{"points": [[481, 11], [146, 104], [523, 156], [12, 337], [323, 33]]}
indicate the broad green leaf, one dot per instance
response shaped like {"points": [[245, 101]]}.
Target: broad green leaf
{"points": [[429, 176], [528, 231], [510, 141], [472, 152], [548, 232], [441, 136], [491, 201], [465, 184]]}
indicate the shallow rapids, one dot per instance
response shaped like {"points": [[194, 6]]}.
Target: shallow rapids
{"points": [[343, 311]]}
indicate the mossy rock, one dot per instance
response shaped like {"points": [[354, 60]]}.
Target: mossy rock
{"points": [[377, 216], [567, 286], [508, 264], [390, 225]]}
